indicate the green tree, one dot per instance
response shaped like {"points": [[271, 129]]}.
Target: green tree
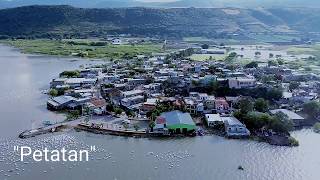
{"points": [[126, 126], [245, 105], [118, 111], [282, 123], [136, 127], [70, 74], [53, 92], [261, 105], [152, 124], [293, 85], [205, 46], [252, 64], [312, 108]]}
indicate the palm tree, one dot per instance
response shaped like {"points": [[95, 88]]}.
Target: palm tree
{"points": [[136, 127], [126, 126], [152, 124]]}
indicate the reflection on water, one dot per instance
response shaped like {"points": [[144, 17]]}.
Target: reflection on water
{"points": [[22, 78], [210, 157]]}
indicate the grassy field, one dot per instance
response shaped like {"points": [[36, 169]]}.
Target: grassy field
{"points": [[204, 57], [312, 49], [83, 48]]}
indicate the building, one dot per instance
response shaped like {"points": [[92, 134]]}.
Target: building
{"points": [[241, 82], [60, 102], [127, 94], [97, 106], [296, 118], [234, 128], [221, 105], [213, 120], [116, 41], [176, 122], [130, 101]]}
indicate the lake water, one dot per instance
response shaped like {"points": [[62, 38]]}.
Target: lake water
{"points": [[22, 106]]}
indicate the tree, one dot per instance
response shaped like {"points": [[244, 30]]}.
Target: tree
{"points": [[126, 126], [245, 105], [136, 127], [272, 63], [53, 92], [312, 108], [293, 85], [271, 55], [261, 105], [274, 94], [252, 64], [205, 46], [152, 124], [282, 123], [130, 113], [118, 111], [70, 74]]}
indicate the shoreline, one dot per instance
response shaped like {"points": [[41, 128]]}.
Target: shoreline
{"points": [[274, 141]]}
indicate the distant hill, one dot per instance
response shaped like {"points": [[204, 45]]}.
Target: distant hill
{"points": [[66, 21], [244, 3], [176, 3]]}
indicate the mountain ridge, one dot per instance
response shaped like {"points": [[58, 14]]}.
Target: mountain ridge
{"points": [[66, 20]]}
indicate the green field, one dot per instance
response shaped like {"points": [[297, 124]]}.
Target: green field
{"points": [[204, 57], [83, 48]]}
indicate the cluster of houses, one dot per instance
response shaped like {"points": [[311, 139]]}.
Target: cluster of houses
{"points": [[140, 84]]}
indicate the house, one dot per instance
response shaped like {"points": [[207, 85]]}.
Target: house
{"points": [[213, 120], [296, 118], [127, 94], [234, 128], [221, 105], [191, 105], [209, 103], [133, 100], [60, 102], [116, 41], [241, 82], [176, 122], [57, 82], [149, 105], [98, 106]]}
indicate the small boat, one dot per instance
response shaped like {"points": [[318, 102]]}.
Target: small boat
{"points": [[240, 168], [200, 132], [47, 123]]}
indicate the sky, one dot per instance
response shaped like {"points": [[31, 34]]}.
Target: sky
{"points": [[157, 0]]}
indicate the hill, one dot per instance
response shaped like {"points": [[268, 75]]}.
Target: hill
{"points": [[65, 21]]}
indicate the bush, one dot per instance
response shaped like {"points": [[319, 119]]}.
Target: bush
{"points": [[53, 92], [293, 141], [316, 128], [252, 64], [261, 105], [118, 111], [70, 74], [312, 108]]}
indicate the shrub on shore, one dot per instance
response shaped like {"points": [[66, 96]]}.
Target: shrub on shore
{"points": [[316, 128], [293, 141]]}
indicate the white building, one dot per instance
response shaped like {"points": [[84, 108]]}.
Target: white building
{"points": [[117, 41], [241, 82], [127, 94], [213, 120]]}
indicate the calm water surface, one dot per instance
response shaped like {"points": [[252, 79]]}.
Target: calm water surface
{"points": [[22, 106]]}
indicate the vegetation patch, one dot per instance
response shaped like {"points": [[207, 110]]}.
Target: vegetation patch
{"points": [[86, 49]]}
